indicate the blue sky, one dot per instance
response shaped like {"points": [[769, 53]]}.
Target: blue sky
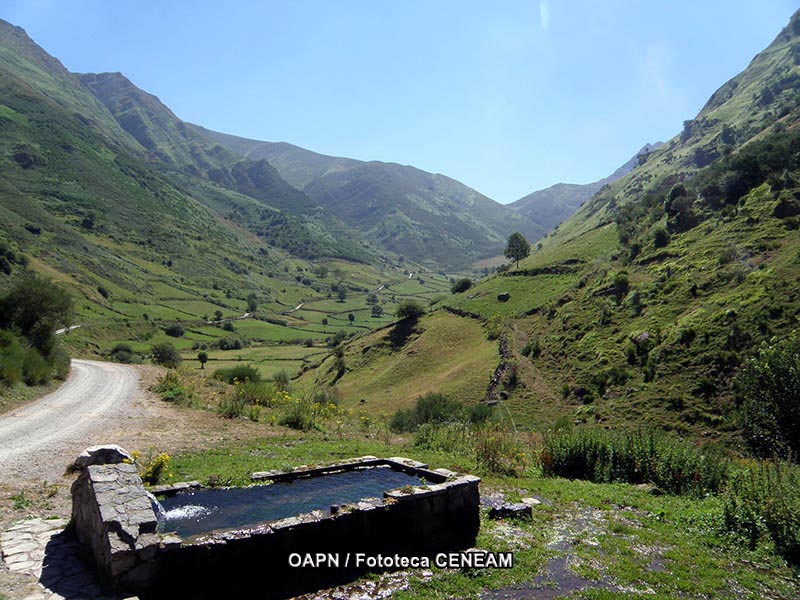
{"points": [[507, 97]]}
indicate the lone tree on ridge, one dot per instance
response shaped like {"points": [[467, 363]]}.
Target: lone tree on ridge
{"points": [[517, 247]]}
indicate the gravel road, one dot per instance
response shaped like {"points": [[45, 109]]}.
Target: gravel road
{"points": [[41, 438]]}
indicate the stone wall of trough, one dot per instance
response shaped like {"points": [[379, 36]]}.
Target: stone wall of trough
{"points": [[116, 523]]}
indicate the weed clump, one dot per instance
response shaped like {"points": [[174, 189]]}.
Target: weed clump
{"points": [[672, 465], [238, 374]]}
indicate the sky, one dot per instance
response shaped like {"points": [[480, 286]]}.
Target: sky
{"points": [[507, 97]]}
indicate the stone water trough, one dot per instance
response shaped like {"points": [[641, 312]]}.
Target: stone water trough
{"points": [[281, 537]]}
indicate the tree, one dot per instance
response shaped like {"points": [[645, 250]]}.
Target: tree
{"points": [[218, 315], [461, 285], [769, 394], [252, 303], [37, 307], [203, 358], [341, 292], [517, 247], [410, 311], [165, 355], [351, 317], [377, 310]]}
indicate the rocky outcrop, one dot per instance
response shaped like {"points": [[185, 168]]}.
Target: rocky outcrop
{"points": [[108, 454]]}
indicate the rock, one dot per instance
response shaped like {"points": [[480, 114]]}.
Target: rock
{"points": [[531, 501], [508, 510], [787, 207], [503, 296], [649, 488], [109, 454]]}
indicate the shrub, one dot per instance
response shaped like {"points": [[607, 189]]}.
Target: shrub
{"points": [[497, 450], [461, 285], [764, 500], [122, 353], [531, 348], [238, 374], [231, 406], [60, 361], [35, 369], [282, 381], [36, 307], [661, 237], [306, 412], [673, 465], [408, 310], [260, 393], [172, 389], [768, 389], [480, 413], [174, 330], [156, 469], [228, 326], [431, 408], [12, 357], [165, 355]]}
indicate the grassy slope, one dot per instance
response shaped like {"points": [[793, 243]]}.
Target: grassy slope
{"points": [[250, 193], [743, 261], [446, 354]]}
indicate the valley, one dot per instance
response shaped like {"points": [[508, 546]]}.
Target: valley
{"points": [[635, 372]]}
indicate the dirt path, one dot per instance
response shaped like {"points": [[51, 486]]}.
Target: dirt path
{"points": [[80, 412]]}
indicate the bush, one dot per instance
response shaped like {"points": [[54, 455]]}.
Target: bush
{"points": [[156, 469], [60, 361], [228, 326], [165, 355], [172, 389], [461, 285], [282, 381], [494, 448], [764, 500], [36, 307], [123, 353], [260, 393], [408, 310], [174, 330], [768, 390], [12, 357], [35, 369], [232, 406], [661, 237], [674, 466], [238, 374], [480, 413], [431, 408]]}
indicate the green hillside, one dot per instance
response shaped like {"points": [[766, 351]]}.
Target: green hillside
{"points": [[422, 216], [250, 193], [639, 309], [550, 206]]}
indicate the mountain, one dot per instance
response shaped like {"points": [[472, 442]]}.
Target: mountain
{"points": [[427, 217], [550, 206], [641, 307], [85, 203], [272, 208]]}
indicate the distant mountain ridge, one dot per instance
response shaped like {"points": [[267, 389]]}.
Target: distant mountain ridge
{"points": [[428, 217], [550, 206]]}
